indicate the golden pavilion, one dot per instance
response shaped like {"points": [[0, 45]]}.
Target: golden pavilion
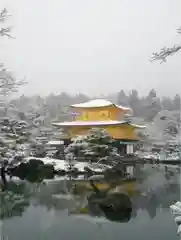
{"points": [[100, 113]]}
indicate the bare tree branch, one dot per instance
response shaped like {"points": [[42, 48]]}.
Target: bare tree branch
{"points": [[166, 52]]}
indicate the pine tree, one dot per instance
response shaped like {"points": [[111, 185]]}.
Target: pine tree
{"points": [[177, 102], [153, 105], [97, 146], [122, 99]]}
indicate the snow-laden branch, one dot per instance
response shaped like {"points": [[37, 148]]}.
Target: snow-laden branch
{"points": [[166, 51], [3, 15], [5, 31], [8, 83]]}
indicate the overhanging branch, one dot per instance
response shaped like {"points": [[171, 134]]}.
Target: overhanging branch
{"points": [[166, 52]]}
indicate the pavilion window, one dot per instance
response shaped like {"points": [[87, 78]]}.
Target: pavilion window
{"points": [[105, 114]]}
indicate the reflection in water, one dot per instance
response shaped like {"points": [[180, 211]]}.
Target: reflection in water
{"points": [[153, 203], [14, 200], [52, 211]]}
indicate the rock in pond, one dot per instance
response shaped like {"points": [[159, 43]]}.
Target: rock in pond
{"points": [[115, 206]]}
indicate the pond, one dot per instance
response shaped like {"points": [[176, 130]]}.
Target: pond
{"points": [[45, 211]]}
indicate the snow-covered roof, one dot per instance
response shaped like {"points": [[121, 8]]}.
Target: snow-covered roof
{"points": [[137, 126], [94, 123], [54, 142], [98, 103], [41, 138], [88, 123]]}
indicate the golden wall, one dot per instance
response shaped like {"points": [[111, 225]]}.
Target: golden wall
{"points": [[117, 132], [99, 114]]}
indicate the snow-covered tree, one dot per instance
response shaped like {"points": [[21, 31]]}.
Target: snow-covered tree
{"points": [[97, 146], [8, 85], [153, 105]]}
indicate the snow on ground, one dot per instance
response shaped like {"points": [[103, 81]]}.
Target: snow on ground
{"points": [[63, 164]]}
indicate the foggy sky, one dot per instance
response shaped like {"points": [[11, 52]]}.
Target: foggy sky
{"points": [[92, 46]]}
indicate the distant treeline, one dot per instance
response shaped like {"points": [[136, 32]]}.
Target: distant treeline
{"points": [[57, 106]]}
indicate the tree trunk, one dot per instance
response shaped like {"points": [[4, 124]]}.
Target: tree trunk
{"points": [[3, 178]]}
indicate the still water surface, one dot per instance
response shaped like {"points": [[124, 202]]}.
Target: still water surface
{"points": [[45, 214]]}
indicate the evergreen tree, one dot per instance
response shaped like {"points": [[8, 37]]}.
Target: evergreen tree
{"points": [[96, 146], [167, 103], [176, 102], [152, 94], [135, 103], [133, 97], [153, 105], [122, 99]]}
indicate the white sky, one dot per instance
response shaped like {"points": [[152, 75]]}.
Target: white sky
{"points": [[92, 46]]}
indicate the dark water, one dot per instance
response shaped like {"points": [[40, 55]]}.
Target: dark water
{"points": [[39, 212]]}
